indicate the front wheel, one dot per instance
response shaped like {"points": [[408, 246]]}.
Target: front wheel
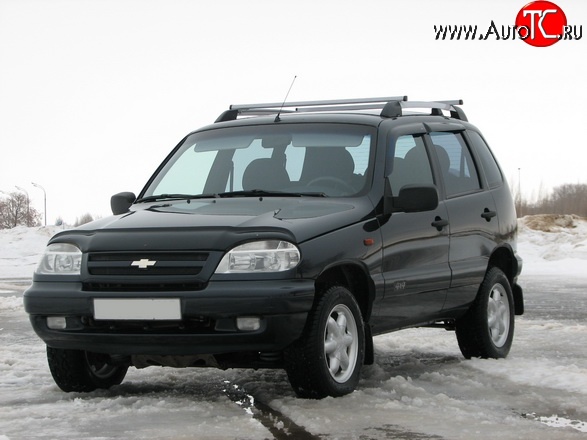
{"points": [[83, 371], [327, 359], [487, 330]]}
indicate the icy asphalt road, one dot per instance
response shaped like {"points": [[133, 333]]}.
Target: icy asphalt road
{"points": [[419, 388]]}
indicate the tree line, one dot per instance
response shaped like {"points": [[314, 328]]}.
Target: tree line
{"points": [[564, 199], [16, 210]]}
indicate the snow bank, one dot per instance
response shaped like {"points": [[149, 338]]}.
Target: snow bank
{"points": [[21, 248], [553, 245]]}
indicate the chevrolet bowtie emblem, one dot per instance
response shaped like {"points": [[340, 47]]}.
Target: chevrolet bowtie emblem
{"points": [[143, 263]]}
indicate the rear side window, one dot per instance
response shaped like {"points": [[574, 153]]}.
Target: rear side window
{"points": [[492, 171], [457, 166]]}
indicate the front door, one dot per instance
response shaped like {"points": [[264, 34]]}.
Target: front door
{"points": [[415, 246]]}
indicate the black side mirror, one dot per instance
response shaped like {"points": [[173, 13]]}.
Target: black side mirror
{"points": [[416, 198], [121, 202]]}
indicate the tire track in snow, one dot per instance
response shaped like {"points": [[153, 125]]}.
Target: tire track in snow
{"points": [[279, 425]]}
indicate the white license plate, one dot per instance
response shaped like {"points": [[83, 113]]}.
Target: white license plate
{"points": [[137, 309]]}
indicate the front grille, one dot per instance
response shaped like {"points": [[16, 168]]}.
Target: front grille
{"points": [[146, 263], [200, 325], [137, 287]]}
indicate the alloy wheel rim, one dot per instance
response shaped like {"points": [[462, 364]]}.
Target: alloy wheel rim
{"points": [[99, 366], [498, 315], [340, 343]]}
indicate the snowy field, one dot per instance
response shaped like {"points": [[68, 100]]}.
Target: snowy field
{"points": [[420, 387]]}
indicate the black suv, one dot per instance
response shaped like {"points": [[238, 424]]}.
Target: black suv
{"points": [[287, 236]]}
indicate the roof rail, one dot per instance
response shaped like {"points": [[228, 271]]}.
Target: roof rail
{"points": [[390, 107], [329, 102], [393, 110], [303, 106]]}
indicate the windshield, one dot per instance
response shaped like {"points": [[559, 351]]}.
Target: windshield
{"points": [[303, 159]]}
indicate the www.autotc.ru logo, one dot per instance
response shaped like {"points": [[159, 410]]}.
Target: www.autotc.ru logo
{"points": [[539, 23]]}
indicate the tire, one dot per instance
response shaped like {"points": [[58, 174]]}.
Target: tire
{"points": [[487, 330], [327, 359], [82, 371]]}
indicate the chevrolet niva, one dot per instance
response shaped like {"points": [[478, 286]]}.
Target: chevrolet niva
{"points": [[288, 236]]}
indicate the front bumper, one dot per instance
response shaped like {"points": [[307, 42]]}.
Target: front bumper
{"points": [[207, 325]]}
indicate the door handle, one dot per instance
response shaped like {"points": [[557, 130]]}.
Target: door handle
{"points": [[488, 215], [439, 223]]}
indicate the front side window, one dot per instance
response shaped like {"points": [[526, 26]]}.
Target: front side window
{"points": [[456, 163], [411, 165], [323, 159]]}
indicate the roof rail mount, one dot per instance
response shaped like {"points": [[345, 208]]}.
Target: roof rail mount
{"points": [[394, 110], [391, 107]]}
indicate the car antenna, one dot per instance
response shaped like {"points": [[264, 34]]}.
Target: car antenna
{"points": [[277, 118]]}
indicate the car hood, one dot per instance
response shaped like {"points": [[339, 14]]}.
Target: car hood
{"points": [[217, 224]]}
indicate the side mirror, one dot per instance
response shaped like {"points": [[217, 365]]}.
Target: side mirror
{"points": [[121, 202], [416, 198]]}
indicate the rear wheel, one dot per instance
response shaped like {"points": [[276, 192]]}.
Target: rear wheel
{"points": [[487, 330], [83, 371], [327, 359]]}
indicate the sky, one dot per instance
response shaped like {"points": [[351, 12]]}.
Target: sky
{"points": [[95, 93]]}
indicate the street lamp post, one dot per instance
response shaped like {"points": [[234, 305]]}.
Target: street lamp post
{"points": [[44, 199], [28, 205], [520, 189]]}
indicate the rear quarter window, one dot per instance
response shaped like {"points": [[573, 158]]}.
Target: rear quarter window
{"points": [[488, 162]]}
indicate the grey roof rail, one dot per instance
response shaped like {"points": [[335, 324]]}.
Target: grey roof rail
{"points": [[391, 107], [232, 114], [302, 106], [328, 102], [374, 106]]}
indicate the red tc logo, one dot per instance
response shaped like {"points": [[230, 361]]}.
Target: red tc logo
{"points": [[541, 23]]}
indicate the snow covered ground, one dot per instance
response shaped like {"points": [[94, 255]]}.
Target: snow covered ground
{"points": [[419, 388]]}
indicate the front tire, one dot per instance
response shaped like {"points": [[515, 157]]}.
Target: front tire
{"points": [[82, 371], [487, 330], [327, 359]]}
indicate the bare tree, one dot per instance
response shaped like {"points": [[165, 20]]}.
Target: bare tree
{"points": [[570, 199], [16, 210], [564, 199], [86, 218]]}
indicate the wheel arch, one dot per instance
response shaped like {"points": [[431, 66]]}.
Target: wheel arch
{"points": [[504, 259], [355, 277]]}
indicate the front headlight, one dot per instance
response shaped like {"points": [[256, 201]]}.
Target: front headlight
{"points": [[60, 259], [260, 256]]}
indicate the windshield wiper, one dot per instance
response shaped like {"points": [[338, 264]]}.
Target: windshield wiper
{"points": [[175, 197], [244, 193], [265, 193]]}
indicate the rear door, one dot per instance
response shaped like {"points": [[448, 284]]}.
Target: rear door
{"points": [[472, 215]]}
